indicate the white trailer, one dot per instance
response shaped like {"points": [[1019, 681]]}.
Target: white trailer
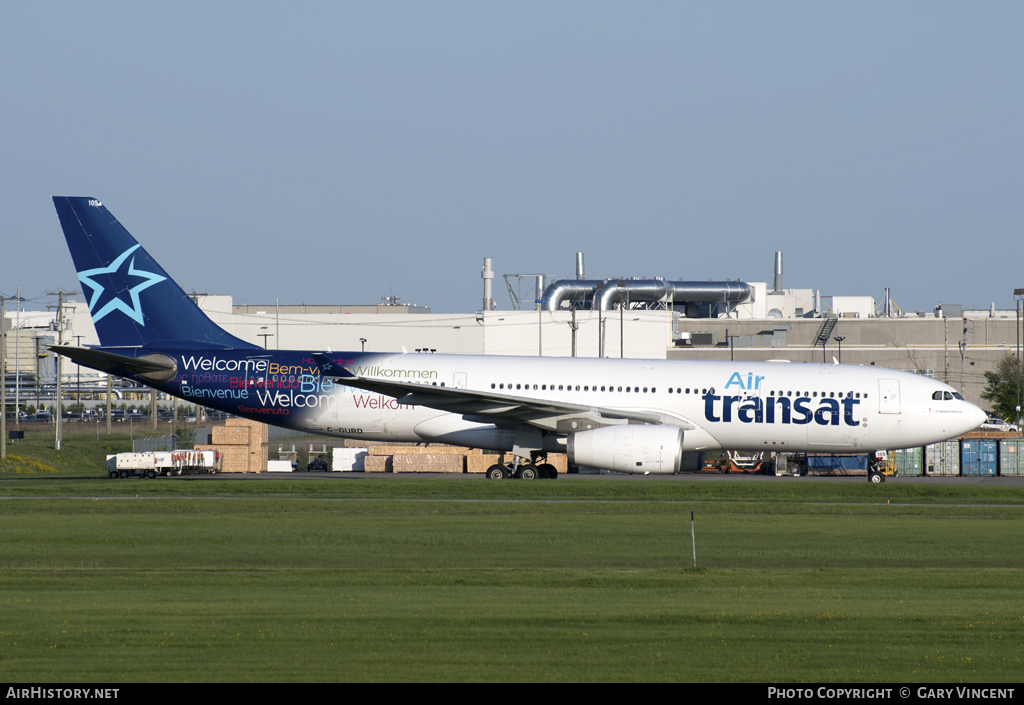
{"points": [[167, 463], [348, 459]]}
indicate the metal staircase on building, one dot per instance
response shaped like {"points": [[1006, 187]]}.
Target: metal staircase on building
{"points": [[825, 332]]}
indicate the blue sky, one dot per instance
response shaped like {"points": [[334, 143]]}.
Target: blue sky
{"points": [[337, 152]]}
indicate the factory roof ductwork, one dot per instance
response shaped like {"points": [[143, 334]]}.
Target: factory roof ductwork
{"points": [[641, 290]]}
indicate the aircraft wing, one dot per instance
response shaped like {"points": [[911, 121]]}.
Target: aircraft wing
{"points": [[500, 409]]}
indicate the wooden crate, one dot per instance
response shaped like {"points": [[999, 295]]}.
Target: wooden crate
{"points": [[432, 449], [423, 462], [258, 459], [479, 463], [234, 459], [227, 435], [560, 461], [257, 431], [377, 463]]}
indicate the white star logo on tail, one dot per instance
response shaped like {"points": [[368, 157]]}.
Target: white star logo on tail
{"points": [[133, 310]]}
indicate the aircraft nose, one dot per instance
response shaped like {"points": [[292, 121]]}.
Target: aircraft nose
{"points": [[976, 417]]}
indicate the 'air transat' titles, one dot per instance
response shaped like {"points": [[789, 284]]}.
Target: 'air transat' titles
{"points": [[726, 408]]}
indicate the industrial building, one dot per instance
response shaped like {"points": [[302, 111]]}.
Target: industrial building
{"points": [[613, 317]]}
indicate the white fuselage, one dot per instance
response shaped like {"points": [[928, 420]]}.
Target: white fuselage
{"points": [[747, 406]]}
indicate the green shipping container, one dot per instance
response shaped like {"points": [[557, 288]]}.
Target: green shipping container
{"points": [[909, 462], [1009, 457]]}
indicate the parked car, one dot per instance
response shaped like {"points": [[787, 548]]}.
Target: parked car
{"points": [[994, 423]]}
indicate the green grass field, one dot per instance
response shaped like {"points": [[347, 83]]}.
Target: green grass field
{"points": [[468, 580]]}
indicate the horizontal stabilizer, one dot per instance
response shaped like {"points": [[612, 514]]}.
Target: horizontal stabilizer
{"points": [[156, 368]]}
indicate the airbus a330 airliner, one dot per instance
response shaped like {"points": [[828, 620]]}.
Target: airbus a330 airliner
{"points": [[636, 416]]}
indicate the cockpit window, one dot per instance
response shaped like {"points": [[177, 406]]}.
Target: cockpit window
{"points": [[937, 395], [957, 395]]}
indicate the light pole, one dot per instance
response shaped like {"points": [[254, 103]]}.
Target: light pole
{"points": [[1018, 294], [3, 380], [573, 326], [963, 351], [622, 309], [839, 339], [78, 390]]}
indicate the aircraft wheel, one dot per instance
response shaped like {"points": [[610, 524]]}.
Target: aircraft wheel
{"points": [[497, 472], [529, 472], [548, 471]]}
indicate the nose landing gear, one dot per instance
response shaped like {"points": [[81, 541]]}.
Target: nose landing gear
{"points": [[880, 466]]}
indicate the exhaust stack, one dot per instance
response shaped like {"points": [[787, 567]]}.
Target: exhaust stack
{"points": [[488, 276]]}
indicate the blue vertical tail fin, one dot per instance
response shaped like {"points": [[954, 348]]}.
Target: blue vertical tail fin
{"points": [[132, 300]]}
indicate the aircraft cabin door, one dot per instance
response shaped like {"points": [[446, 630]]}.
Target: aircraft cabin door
{"points": [[888, 396], [460, 380]]}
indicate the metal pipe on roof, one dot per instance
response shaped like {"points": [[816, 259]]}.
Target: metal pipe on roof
{"points": [[646, 290], [581, 290], [622, 290]]}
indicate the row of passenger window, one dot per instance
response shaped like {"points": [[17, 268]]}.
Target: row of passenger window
{"points": [[830, 395], [671, 390], [569, 388]]}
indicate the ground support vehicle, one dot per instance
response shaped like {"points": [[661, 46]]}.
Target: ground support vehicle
{"points": [[167, 463], [731, 461], [318, 465], [881, 466], [319, 460]]}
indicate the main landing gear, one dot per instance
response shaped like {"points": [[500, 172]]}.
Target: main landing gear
{"points": [[520, 470]]}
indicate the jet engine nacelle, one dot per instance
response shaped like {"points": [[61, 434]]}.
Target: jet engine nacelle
{"points": [[633, 448]]}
